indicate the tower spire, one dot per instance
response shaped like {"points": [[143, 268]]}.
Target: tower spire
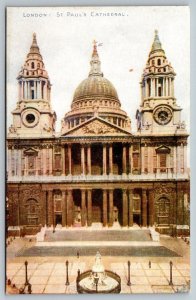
{"points": [[34, 46], [156, 43], [95, 62]]}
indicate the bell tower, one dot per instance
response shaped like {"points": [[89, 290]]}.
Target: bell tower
{"points": [[159, 112], [33, 115]]}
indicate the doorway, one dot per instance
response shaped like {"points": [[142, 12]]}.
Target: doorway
{"points": [[58, 219], [137, 219], [97, 200]]}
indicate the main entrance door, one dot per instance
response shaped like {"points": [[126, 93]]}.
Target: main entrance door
{"points": [[97, 200]]}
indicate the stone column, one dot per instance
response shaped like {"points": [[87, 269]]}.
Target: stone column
{"points": [[64, 209], [125, 208], [19, 162], [111, 212], [174, 159], [50, 208], [22, 89], [25, 90], [50, 151], [83, 207], [146, 89], [35, 89], [89, 205], [104, 159], [70, 159], [69, 207], [82, 160], [89, 159], [170, 86], [130, 208], [26, 170], [105, 208], [143, 159], [178, 159], [36, 165], [166, 87], [130, 159], [111, 159], [144, 208], [63, 160], [153, 87], [124, 160], [163, 88], [157, 87], [185, 158], [45, 90], [39, 89], [151, 207]]}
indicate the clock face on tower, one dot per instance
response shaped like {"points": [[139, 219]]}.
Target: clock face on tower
{"points": [[30, 117], [162, 115]]}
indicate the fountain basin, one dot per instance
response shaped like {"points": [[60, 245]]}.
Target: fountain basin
{"points": [[110, 283]]}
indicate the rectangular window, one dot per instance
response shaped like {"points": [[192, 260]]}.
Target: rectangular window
{"points": [[135, 160], [57, 161], [163, 162]]}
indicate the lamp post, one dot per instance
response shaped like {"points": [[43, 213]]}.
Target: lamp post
{"points": [[128, 281], [67, 278], [149, 264], [96, 279], [170, 281], [26, 275]]}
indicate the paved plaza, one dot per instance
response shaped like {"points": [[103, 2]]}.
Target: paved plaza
{"points": [[47, 273]]}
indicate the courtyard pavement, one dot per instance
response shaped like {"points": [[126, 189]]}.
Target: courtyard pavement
{"points": [[47, 274]]}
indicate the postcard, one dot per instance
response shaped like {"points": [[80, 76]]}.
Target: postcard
{"points": [[98, 167]]}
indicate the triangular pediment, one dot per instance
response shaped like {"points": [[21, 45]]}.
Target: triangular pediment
{"points": [[30, 151], [163, 149], [97, 127]]}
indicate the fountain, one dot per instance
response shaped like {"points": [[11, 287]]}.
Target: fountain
{"points": [[98, 280]]}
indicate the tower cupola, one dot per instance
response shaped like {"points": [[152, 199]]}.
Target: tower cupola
{"points": [[33, 115], [158, 111]]}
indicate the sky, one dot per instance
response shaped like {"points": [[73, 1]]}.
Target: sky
{"points": [[65, 37]]}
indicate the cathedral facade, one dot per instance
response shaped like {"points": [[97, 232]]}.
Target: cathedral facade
{"points": [[96, 170]]}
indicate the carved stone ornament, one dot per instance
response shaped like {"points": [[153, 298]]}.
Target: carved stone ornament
{"points": [[97, 127], [31, 192], [12, 129], [164, 189]]}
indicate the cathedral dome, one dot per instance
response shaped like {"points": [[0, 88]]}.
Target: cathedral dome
{"points": [[95, 87], [95, 96]]}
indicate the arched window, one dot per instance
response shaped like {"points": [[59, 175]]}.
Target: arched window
{"points": [[159, 61], [32, 65], [38, 65]]}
